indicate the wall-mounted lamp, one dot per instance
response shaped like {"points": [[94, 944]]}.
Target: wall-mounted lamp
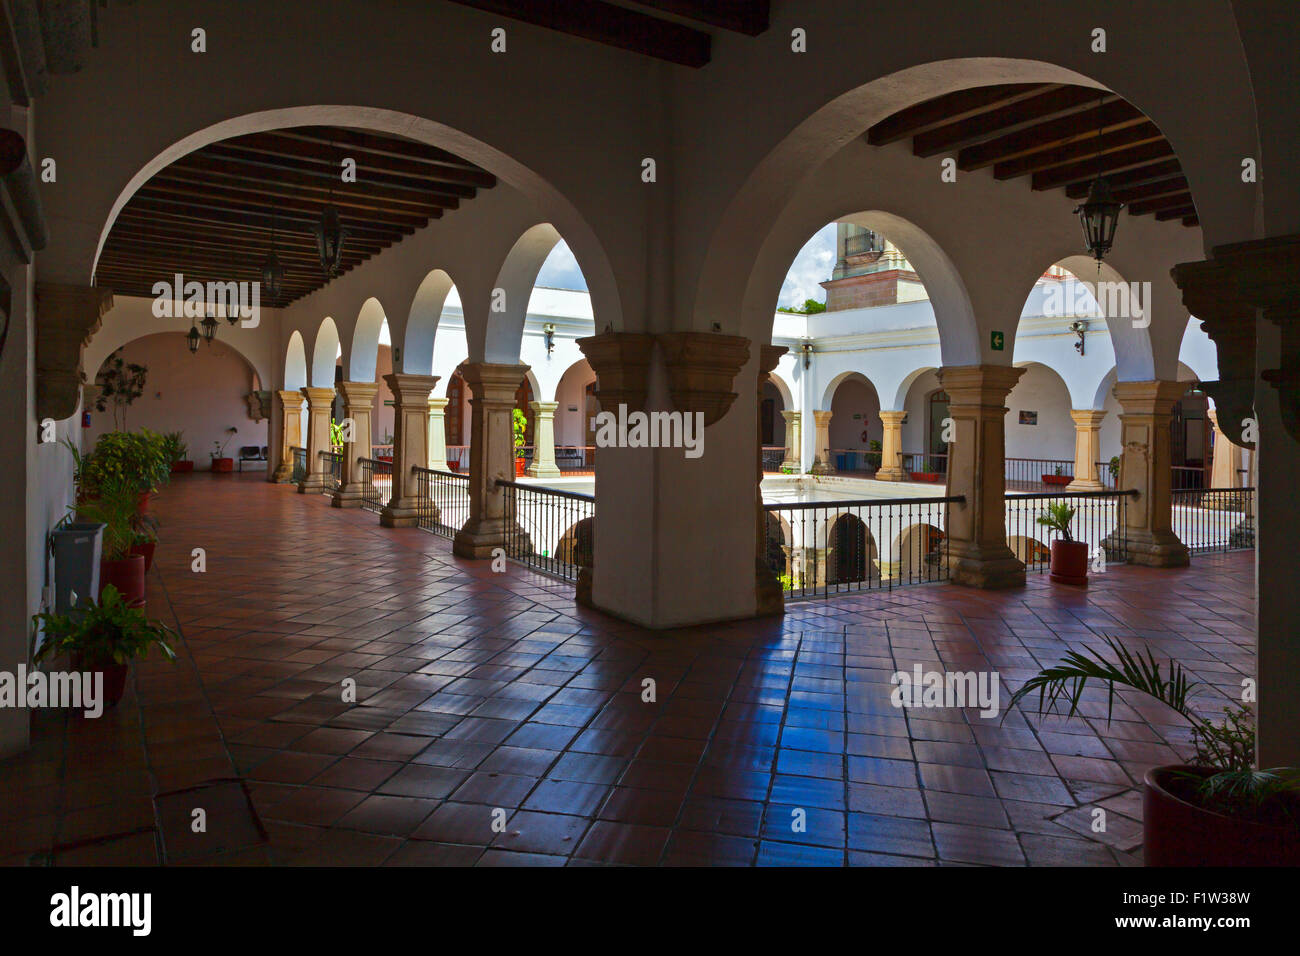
{"points": [[548, 330], [807, 350], [1079, 328]]}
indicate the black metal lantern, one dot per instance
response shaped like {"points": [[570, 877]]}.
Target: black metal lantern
{"points": [[1099, 215], [209, 329], [272, 275], [330, 236], [192, 339]]}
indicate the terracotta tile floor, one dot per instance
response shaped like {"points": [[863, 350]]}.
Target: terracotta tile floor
{"points": [[498, 724]]}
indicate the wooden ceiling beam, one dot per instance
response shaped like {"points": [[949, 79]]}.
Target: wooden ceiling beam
{"points": [[1081, 151], [301, 209], [1179, 212], [1137, 176], [300, 153], [749, 17], [1034, 109], [273, 198], [1077, 129], [394, 188], [944, 110], [1175, 201], [380, 143], [1085, 170], [227, 213]]}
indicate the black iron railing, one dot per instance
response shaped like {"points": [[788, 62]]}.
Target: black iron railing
{"points": [[773, 455], [299, 464], [549, 530], [830, 547], [331, 462], [444, 500], [1215, 519], [1184, 478], [1098, 518], [925, 463], [377, 483], [1033, 474]]}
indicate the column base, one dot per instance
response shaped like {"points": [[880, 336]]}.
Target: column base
{"points": [[349, 496], [989, 568], [400, 513], [820, 469], [314, 484], [478, 539], [283, 473], [542, 471], [768, 591], [582, 592], [892, 473], [790, 465], [1085, 485], [1159, 549]]}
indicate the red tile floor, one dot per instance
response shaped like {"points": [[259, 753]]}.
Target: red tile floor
{"points": [[496, 723]]}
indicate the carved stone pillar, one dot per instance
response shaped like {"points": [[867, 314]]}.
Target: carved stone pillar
{"points": [[977, 532], [793, 441], [1145, 467], [410, 433], [891, 447], [66, 317], [769, 594], [1087, 449], [358, 403], [543, 465], [319, 403], [491, 455], [822, 463], [702, 366], [1225, 466], [438, 434], [290, 431]]}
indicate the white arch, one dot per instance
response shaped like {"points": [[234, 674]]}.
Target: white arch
{"points": [[515, 281], [828, 396], [365, 342], [422, 323], [905, 386], [324, 354], [787, 394], [295, 363]]}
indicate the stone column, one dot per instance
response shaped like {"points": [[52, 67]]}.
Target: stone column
{"points": [[491, 455], [543, 465], [977, 530], [1144, 467], [822, 463], [891, 447], [410, 433], [1087, 449], [290, 431], [438, 434], [319, 402], [1225, 468], [358, 403], [768, 592], [793, 441]]}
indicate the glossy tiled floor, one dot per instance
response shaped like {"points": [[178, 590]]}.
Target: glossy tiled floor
{"points": [[496, 723]]}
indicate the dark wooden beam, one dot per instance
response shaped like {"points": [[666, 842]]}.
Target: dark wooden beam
{"points": [[749, 17], [998, 122], [1118, 141], [273, 197], [298, 153], [1085, 170], [1180, 212], [1078, 129], [1163, 187], [944, 110], [1138, 176], [395, 188], [607, 24], [379, 143], [1175, 201], [220, 212]]}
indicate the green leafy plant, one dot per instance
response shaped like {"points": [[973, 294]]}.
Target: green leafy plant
{"points": [[336, 435], [1058, 518], [219, 447], [1059, 470], [120, 384], [109, 631], [115, 506], [174, 446], [1114, 467], [1226, 749], [519, 425], [140, 459]]}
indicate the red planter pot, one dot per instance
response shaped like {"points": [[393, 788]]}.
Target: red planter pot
{"points": [[930, 477], [1177, 832], [182, 467], [223, 464], [142, 506], [1069, 562], [520, 467], [127, 576], [114, 678], [145, 551], [1057, 479]]}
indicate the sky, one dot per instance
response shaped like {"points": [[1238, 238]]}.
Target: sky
{"points": [[560, 270]]}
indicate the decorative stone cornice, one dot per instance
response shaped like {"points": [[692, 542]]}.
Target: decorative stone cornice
{"points": [[259, 405], [491, 383], [984, 385], [702, 367], [621, 361], [66, 318]]}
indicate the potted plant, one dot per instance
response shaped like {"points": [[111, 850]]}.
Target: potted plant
{"points": [[1069, 564], [873, 456], [176, 450], [1217, 811], [139, 459], [1057, 477], [120, 384], [115, 508], [1114, 468], [519, 425], [144, 538], [220, 463], [336, 437], [929, 477], [103, 637]]}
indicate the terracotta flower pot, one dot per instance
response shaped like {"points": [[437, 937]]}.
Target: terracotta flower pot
{"points": [[1069, 562], [929, 477], [182, 467], [127, 576], [520, 467], [146, 551], [1057, 479], [1177, 832], [142, 507], [223, 464], [114, 677]]}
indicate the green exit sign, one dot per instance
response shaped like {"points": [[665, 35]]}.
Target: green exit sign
{"points": [[996, 341]]}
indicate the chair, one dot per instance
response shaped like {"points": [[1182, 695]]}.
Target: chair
{"points": [[250, 453]]}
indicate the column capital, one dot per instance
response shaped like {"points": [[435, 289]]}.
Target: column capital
{"points": [[791, 415], [1155, 398], [437, 405], [768, 357], [66, 317], [986, 385], [822, 416], [290, 399], [702, 367], [358, 393], [621, 361], [317, 397], [409, 388], [544, 408], [892, 417], [1088, 417], [493, 383]]}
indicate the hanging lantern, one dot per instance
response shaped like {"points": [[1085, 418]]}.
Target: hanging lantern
{"points": [[1099, 215], [272, 275], [209, 329], [192, 339], [330, 236]]}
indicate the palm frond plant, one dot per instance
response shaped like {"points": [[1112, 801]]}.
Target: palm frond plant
{"points": [[1223, 778], [116, 508], [1058, 517]]}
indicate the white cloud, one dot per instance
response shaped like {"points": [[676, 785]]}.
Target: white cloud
{"points": [[561, 271], [813, 265]]}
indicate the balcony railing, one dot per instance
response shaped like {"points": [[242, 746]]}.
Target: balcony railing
{"points": [[444, 501], [377, 480], [381, 452], [1186, 478], [773, 455], [299, 464], [458, 459], [1215, 519], [1037, 474], [832, 547], [331, 462], [1097, 519], [925, 463], [549, 530]]}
